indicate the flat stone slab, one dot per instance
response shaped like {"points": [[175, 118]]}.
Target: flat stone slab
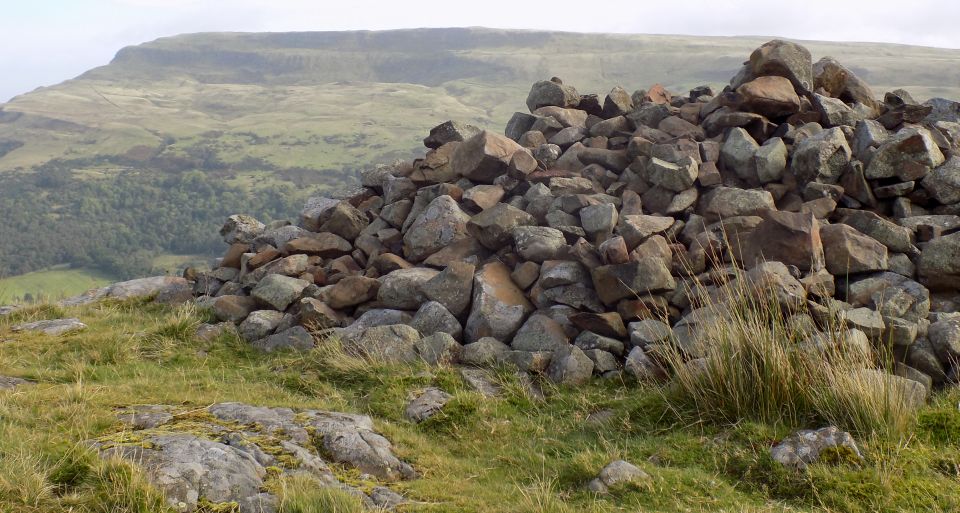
{"points": [[52, 326], [9, 382], [7, 310], [142, 287], [229, 452]]}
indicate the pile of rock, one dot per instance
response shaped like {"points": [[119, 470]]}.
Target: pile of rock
{"points": [[569, 245]]}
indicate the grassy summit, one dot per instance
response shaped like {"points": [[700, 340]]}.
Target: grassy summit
{"points": [[510, 453]]}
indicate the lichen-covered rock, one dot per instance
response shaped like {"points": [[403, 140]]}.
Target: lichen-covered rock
{"points": [[441, 224], [390, 343], [52, 327], [617, 473], [427, 404], [499, 306], [806, 446]]}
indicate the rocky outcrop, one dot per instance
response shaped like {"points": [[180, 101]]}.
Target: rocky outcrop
{"points": [[230, 452]]}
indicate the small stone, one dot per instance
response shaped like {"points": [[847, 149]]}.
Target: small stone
{"points": [[439, 349], [570, 366], [426, 405], [53, 327], [805, 446]]}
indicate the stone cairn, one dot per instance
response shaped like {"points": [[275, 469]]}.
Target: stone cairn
{"points": [[569, 245]]}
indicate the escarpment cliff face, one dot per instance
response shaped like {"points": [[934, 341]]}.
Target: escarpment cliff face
{"points": [[584, 239]]}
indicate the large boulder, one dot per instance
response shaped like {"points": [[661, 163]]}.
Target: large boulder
{"points": [[484, 157], [789, 237], [727, 202], [389, 343], [909, 155], [943, 183], [939, 265], [449, 131], [278, 291], [499, 306], [440, 225], [784, 59], [494, 226], [633, 279], [770, 96], [402, 289], [548, 93], [821, 157], [452, 287], [847, 251]]}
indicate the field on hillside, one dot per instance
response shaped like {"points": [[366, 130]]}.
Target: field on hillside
{"points": [[51, 284]]}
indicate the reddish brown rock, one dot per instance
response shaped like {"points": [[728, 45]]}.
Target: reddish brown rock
{"points": [[350, 291], [499, 306], [771, 96], [326, 245], [608, 324], [791, 238]]}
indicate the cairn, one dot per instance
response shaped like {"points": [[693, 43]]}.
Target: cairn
{"points": [[569, 245]]}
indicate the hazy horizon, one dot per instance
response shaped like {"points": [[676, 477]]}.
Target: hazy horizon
{"points": [[45, 43]]}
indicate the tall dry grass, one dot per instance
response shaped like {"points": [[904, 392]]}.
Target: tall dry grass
{"points": [[755, 364]]}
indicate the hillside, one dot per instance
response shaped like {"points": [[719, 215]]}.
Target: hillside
{"points": [[256, 113]]}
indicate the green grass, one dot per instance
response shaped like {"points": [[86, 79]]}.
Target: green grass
{"points": [[513, 454], [54, 283]]}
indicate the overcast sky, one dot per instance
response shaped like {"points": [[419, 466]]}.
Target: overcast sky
{"points": [[43, 42]]}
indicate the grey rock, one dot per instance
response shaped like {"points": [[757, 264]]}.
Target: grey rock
{"points": [[938, 267], [847, 251], [402, 289], [548, 93], [943, 183], [538, 243], [804, 447], [452, 287], [297, 338], [639, 365], [648, 332], [821, 157], [645, 276], [540, 333], [390, 343], [54, 327], [493, 227], [439, 349], [770, 160], [737, 154], [10, 382], [427, 404], [278, 291], [784, 59], [259, 324], [908, 155], [481, 380], [602, 361], [441, 224], [241, 228], [499, 306], [570, 366], [486, 351], [587, 340], [555, 273], [145, 416], [944, 337], [598, 219], [727, 202], [433, 318], [449, 131], [617, 473]]}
